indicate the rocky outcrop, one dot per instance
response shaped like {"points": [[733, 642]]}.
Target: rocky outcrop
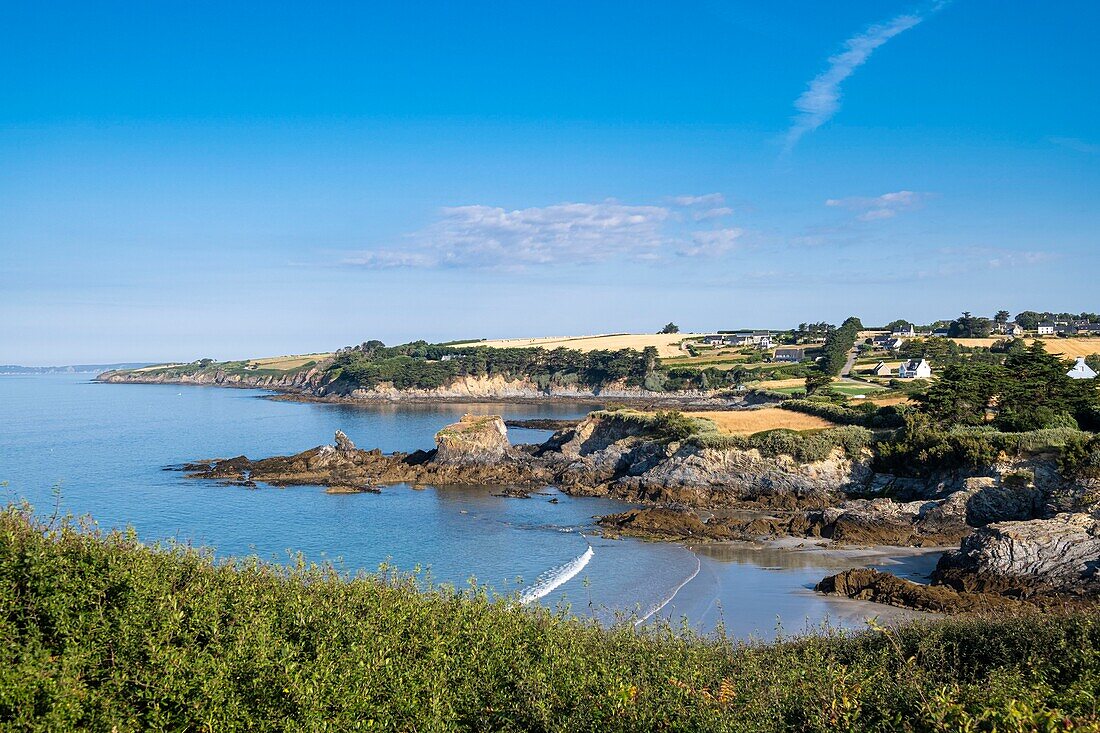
{"points": [[1040, 563], [656, 523], [714, 477], [474, 450], [866, 584], [1061, 553], [475, 439]]}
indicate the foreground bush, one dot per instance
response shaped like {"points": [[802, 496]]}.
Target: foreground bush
{"points": [[99, 632]]}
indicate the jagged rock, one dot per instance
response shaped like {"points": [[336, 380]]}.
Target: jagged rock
{"points": [[343, 442], [475, 439], [657, 522], [1062, 553], [866, 584]]}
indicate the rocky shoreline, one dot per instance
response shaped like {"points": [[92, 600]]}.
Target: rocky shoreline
{"points": [[1017, 546], [309, 386]]}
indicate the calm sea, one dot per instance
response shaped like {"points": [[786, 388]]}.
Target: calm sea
{"points": [[105, 446]]}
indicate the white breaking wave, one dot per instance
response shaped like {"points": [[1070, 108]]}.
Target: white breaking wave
{"points": [[556, 577], [665, 602]]}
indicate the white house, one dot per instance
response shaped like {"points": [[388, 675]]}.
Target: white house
{"points": [[1081, 370], [908, 331], [1046, 329], [915, 369], [890, 343]]}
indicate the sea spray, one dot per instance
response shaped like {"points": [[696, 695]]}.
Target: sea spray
{"points": [[547, 582]]}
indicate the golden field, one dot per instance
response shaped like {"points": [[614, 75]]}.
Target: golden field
{"points": [[1070, 347], [747, 422], [667, 344], [286, 362]]}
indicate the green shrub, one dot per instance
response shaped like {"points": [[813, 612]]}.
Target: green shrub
{"points": [[102, 633]]}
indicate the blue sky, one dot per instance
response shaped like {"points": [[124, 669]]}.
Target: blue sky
{"points": [[180, 180]]}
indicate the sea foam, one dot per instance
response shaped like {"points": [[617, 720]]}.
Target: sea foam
{"points": [[556, 577]]}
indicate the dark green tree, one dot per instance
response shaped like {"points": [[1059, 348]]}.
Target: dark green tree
{"points": [[670, 328]]}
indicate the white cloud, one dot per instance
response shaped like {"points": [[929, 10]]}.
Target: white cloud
{"points": [[707, 199], [885, 206], [495, 238], [821, 100], [715, 213], [712, 243]]}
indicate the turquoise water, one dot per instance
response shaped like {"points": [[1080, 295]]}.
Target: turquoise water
{"points": [[106, 446]]}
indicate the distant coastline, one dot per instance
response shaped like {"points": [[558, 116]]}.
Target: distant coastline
{"points": [[15, 369]]}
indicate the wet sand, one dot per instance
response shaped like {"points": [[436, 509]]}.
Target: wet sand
{"points": [[738, 584]]}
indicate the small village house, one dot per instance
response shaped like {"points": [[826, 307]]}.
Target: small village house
{"points": [[1081, 370], [880, 370], [915, 369]]}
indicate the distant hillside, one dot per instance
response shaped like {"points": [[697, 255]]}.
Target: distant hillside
{"points": [[70, 368]]}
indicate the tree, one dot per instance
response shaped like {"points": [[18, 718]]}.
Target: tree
{"points": [[670, 328], [815, 381], [900, 323], [1029, 319], [962, 394], [1036, 392], [837, 345], [969, 326], [1002, 317]]}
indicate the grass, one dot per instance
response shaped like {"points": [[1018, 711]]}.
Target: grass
{"points": [[747, 422], [847, 388], [102, 633]]}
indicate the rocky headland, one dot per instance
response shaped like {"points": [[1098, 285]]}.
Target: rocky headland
{"points": [[1023, 533], [315, 385]]}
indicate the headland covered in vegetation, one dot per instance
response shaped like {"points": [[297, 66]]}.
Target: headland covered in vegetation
{"points": [[103, 633]]}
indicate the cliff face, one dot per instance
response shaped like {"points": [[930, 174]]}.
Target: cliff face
{"points": [[315, 384], [307, 381]]}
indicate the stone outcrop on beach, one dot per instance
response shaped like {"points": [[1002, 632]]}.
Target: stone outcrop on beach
{"points": [[473, 440], [1040, 563], [1062, 553]]}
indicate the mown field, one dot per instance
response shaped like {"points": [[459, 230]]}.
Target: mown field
{"points": [[1068, 347], [101, 633], [667, 345], [287, 363], [747, 422]]}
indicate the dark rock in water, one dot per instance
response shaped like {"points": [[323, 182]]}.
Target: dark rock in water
{"points": [[553, 501], [866, 584], [515, 492], [658, 522], [542, 423], [353, 490]]}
